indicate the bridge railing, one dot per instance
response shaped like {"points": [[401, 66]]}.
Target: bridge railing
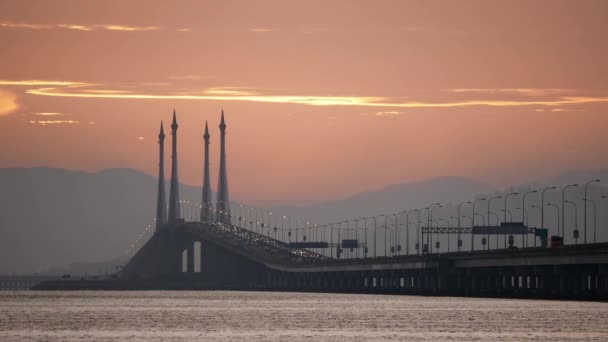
{"points": [[261, 244]]}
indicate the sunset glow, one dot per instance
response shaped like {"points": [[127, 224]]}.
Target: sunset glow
{"points": [[322, 100], [315, 100]]}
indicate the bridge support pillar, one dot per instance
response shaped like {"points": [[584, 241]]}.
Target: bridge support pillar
{"points": [[190, 258]]}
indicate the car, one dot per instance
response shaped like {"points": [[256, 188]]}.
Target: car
{"points": [[556, 241]]}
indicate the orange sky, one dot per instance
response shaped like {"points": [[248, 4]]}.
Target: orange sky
{"points": [[322, 99]]}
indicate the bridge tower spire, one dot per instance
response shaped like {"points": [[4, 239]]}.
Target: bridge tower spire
{"points": [[174, 207], [223, 202], [207, 205], [161, 207]]}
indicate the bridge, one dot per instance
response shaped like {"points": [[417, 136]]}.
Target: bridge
{"points": [[222, 250], [22, 282]]}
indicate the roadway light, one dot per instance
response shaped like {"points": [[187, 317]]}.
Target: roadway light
{"points": [[473, 222], [542, 206], [594, 221], [420, 236], [563, 200], [537, 207], [523, 203], [585, 209], [375, 232], [488, 234], [459, 243], [506, 198], [507, 211], [398, 231], [575, 232], [510, 214], [556, 207], [524, 237], [431, 207], [407, 219]]}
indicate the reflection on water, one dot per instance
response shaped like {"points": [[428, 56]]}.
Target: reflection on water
{"points": [[272, 316]]}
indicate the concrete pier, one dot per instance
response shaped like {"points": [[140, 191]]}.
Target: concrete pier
{"points": [[233, 258]]}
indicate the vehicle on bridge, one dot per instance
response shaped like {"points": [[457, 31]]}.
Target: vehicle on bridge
{"points": [[557, 241]]}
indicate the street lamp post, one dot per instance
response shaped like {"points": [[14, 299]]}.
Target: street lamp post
{"points": [[376, 233], [537, 207], [495, 215], [283, 227], [585, 209], [366, 248], [473, 222], [257, 211], [344, 236], [459, 242], [595, 219], [432, 206], [563, 210], [509, 214], [398, 234], [407, 219], [386, 230], [525, 223], [483, 222], [506, 199], [556, 207], [523, 214], [450, 226], [488, 234], [575, 230], [438, 243], [356, 221], [542, 205], [331, 239], [419, 235]]}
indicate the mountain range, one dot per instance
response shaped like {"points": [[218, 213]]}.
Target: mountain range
{"points": [[75, 221]]}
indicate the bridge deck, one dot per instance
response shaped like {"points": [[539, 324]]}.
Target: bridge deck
{"points": [[278, 255]]}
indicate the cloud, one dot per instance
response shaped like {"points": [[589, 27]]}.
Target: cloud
{"points": [[25, 26], [49, 114], [128, 28], [39, 82], [91, 90], [75, 27], [263, 30], [523, 91], [317, 100], [95, 27], [109, 91], [54, 122], [233, 91], [8, 102], [388, 114], [185, 77]]}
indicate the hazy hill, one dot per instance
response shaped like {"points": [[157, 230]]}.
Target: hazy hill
{"points": [[52, 217], [56, 217], [393, 198]]}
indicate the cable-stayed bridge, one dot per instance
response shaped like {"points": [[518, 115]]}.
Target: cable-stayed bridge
{"points": [[219, 247]]}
